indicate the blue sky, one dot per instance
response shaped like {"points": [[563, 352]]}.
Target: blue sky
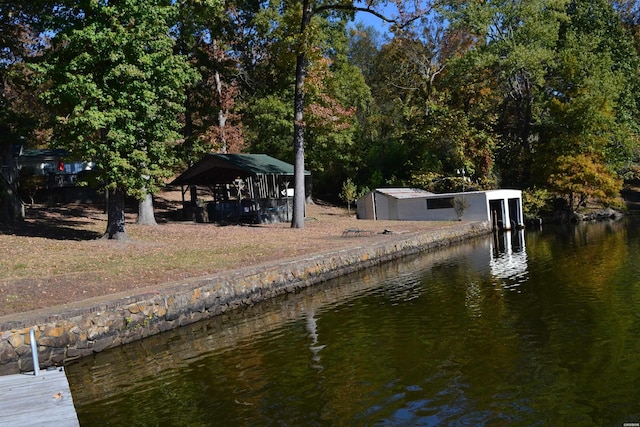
{"points": [[373, 21]]}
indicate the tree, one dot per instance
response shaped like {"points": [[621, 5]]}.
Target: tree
{"points": [[506, 70], [364, 42], [21, 114], [561, 79], [460, 205], [303, 45], [118, 89], [629, 12], [267, 121], [588, 132], [205, 33], [419, 128], [333, 89], [583, 177], [349, 193]]}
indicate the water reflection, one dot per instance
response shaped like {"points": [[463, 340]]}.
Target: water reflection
{"points": [[509, 259], [314, 347], [438, 339], [111, 373]]}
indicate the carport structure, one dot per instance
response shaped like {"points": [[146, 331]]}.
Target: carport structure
{"points": [[252, 188]]}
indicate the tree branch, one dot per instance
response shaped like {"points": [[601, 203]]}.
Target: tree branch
{"points": [[399, 24]]}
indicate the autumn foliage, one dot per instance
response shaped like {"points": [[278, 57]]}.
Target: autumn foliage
{"points": [[582, 177]]}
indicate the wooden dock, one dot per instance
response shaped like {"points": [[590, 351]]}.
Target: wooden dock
{"points": [[29, 400]]}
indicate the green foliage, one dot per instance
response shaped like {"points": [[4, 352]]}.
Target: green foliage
{"points": [[204, 35], [22, 118], [118, 89], [460, 204], [509, 90], [349, 191], [503, 76], [333, 90], [589, 127], [561, 79], [363, 48], [268, 126], [535, 201]]}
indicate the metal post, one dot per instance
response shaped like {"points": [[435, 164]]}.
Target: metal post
{"points": [[34, 352], [464, 179]]}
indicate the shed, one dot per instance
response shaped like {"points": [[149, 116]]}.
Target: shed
{"points": [[502, 207], [254, 188], [406, 204]]}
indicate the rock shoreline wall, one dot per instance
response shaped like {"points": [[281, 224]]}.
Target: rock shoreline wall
{"points": [[78, 331]]}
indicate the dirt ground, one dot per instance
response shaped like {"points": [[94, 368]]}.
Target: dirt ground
{"points": [[56, 256]]}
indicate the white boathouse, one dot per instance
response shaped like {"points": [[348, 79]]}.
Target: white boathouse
{"points": [[501, 207]]}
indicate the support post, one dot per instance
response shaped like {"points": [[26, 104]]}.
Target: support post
{"points": [[34, 352]]}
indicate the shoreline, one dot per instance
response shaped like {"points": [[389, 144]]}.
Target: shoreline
{"points": [[67, 332]]}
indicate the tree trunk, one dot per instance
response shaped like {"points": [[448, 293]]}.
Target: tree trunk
{"points": [[299, 126], [222, 114], [115, 217], [11, 206], [145, 211], [298, 153]]}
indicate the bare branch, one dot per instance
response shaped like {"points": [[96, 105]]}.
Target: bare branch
{"points": [[403, 87], [400, 24], [353, 9]]}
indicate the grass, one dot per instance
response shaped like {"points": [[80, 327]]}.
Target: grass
{"points": [[56, 256]]}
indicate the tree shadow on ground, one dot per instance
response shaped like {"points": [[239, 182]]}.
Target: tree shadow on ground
{"points": [[166, 210], [56, 223]]}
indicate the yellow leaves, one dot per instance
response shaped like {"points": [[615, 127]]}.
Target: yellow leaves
{"points": [[485, 91], [586, 175]]}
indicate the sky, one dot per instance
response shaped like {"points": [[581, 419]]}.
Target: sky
{"points": [[373, 21]]}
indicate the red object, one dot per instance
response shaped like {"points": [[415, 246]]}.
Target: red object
{"points": [[60, 165]]}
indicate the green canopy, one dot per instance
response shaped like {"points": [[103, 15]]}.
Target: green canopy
{"points": [[225, 168]]}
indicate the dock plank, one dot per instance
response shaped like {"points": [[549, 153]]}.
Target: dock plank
{"points": [[29, 400]]}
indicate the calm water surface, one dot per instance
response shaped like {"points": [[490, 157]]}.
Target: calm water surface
{"points": [[540, 328]]}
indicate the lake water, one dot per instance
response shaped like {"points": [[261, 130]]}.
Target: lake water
{"points": [[536, 328]]}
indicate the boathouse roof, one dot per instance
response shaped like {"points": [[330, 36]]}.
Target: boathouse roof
{"points": [[404, 193]]}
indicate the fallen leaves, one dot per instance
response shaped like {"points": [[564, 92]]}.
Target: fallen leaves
{"points": [[62, 265]]}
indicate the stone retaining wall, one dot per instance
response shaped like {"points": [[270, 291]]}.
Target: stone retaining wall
{"points": [[97, 325]]}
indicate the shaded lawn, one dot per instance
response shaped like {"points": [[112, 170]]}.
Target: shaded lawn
{"points": [[56, 255]]}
